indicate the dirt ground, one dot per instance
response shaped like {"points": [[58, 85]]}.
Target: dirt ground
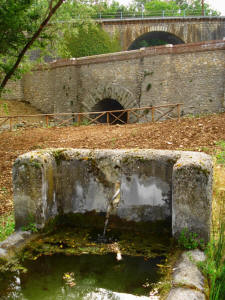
{"points": [[199, 134]]}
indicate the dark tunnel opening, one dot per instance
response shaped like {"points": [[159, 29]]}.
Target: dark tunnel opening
{"points": [[155, 38], [110, 105]]}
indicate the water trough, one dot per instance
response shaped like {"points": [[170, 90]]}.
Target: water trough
{"points": [[154, 185]]}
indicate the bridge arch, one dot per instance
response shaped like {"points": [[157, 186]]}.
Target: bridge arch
{"points": [[109, 97], [155, 38], [110, 104]]}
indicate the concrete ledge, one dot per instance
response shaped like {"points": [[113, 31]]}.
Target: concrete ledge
{"points": [[188, 281], [155, 185], [185, 294], [14, 242]]}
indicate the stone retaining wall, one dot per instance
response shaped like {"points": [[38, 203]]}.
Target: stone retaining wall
{"points": [[192, 74]]}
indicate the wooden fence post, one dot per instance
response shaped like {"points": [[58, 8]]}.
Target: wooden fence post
{"points": [[178, 112], [107, 118], [46, 118], [78, 119], [128, 116], [153, 120], [11, 124]]}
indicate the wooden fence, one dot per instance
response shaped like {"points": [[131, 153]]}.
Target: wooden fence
{"points": [[132, 115]]}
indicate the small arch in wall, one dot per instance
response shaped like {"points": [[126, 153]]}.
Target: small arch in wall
{"points": [[109, 104], [109, 91], [155, 38]]}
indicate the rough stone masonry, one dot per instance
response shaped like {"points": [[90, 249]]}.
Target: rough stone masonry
{"points": [[155, 185], [192, 74]]}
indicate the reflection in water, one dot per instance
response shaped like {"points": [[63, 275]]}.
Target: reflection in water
{"points": [[94, 277]]}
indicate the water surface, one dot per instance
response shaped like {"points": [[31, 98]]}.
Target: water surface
{"points": [[60, 277]]}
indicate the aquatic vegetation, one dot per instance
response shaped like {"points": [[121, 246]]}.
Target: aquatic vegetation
{"points": [[77, 236]]}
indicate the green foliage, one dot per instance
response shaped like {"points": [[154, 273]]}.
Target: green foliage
{"points": [[176, 8], [221, 155], [189, 240], [221, 158], [194, 7], [221, 144], [87, 40], [214, 267], [31, 226], [4, 107], [158, 6], [84, 122], [7, 226], [19, 19], [112, 9], [22, 28], [149, 86]]}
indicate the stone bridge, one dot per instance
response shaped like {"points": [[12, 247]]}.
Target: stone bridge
{"points": [[193, 74], [171, 30]]}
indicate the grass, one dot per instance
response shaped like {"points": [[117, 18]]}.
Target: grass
{"points": [[214, 267], [221, 154], [7, 226]]}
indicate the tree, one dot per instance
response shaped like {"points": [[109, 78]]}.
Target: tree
{"points": [[85, 40], [174, 7], [22, 25], [157, 7], [113, 9], [194, 7]]}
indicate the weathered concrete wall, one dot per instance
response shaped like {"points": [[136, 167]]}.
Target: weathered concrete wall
{"points": [[189, 29], [155, 185]]}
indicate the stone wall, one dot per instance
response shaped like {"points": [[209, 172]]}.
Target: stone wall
{"points": [[154, 185], [14, 90], [192, 74]]}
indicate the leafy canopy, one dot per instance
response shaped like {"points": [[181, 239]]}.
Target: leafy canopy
{"points": [[85, 40], [22, 24], [18, 20]]}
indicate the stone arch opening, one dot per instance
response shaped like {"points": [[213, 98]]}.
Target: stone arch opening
{"points": [[155, 38], [109, 104]]}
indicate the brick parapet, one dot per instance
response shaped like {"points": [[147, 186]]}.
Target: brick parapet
{"points": [[137, 54], [157, 20]]}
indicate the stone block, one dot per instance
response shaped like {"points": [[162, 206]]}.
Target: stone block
{"points": [[185, 294]]}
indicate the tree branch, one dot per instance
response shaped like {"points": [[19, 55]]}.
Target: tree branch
{"points": [[30, 43]]}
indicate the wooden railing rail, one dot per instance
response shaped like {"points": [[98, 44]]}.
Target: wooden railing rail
{"points": [[123, 116]]}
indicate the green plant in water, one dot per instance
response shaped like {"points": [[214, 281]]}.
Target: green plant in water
{"points": [[190, 240], [7, 226]]}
